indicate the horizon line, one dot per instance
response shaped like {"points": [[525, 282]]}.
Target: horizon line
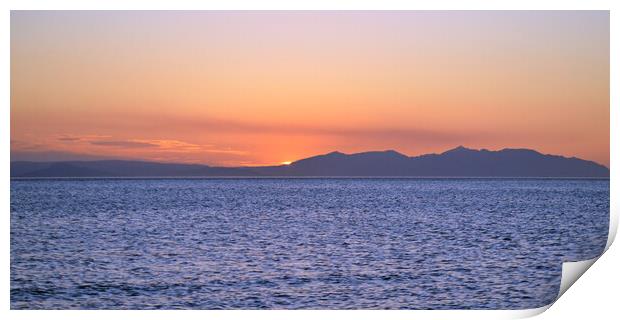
{"points": [[284, 164]]}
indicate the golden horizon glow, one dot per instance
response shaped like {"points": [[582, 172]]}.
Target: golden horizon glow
{"points": [[248, 88]]}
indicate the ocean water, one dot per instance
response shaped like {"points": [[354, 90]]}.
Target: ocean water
{"points": [[299, 243]]}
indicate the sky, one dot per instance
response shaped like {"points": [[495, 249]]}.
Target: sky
{"points": [[265, 88]]}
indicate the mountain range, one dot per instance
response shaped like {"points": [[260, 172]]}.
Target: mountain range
{"points": [[457, 162]]}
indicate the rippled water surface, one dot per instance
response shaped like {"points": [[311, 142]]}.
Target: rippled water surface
{"points": [[299, 243]]}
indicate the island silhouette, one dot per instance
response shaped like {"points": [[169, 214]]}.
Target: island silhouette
{"points": [[457, 162]]}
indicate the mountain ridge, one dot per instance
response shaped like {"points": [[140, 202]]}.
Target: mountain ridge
{"points": [[456, 162]]}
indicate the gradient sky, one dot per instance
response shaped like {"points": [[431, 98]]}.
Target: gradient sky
{"points": [[256, 88]]}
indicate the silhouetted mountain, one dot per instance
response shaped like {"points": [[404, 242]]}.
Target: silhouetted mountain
{"points": [[458, 162], [57, 156], [120, 168], [374, 163]]}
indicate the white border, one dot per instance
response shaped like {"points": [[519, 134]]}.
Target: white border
{"points": [[606, 275]]}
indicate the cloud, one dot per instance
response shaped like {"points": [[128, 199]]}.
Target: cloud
{"points": [[225, 151], [94, 147], [166, 145], [173, 144], [380, 132], [25, 145], [123, 144], [85, 138]]}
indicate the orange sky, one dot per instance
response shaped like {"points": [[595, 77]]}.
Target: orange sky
{"points": [[254, 88]]}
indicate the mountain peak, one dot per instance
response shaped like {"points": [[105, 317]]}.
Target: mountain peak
{"points": [[458, 149], [523, 150], [394, 152], [335, 153]]}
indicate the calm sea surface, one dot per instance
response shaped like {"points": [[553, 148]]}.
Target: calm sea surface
{"points": [[299, 243]]}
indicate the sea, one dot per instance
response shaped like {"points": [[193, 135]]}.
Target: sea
{"points": [[300, 243]]}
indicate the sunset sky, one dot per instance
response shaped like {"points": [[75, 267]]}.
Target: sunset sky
{"points": [[263, 88]]}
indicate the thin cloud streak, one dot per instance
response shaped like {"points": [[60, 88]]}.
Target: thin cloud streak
{"points": [[92, 147], [123, 144], [228, 126]]}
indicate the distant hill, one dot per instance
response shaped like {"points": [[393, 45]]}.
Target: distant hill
{"points": [[457, 162], [119, 168]]}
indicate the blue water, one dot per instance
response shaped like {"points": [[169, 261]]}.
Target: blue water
{"points": [[300, 243]]}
